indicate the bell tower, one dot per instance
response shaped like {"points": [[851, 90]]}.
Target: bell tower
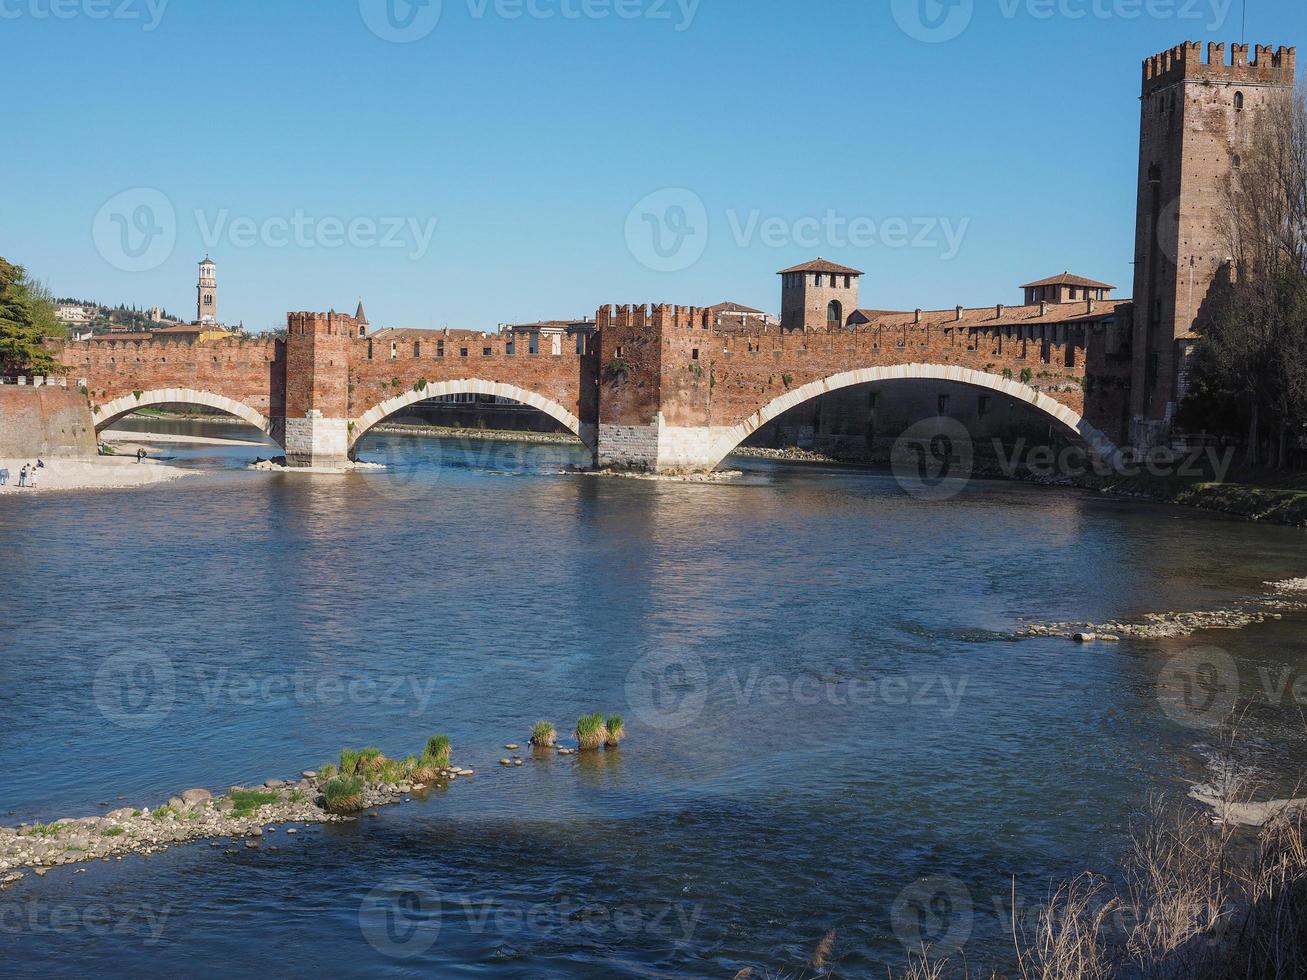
{"points": [[206, 305]]}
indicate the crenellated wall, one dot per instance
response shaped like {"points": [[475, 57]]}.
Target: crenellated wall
{"points": [[250, 370], [677, 394]]}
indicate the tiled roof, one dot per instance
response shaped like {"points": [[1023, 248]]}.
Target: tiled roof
{"points": [[1067, 279], [729, 307], [821, 265]]}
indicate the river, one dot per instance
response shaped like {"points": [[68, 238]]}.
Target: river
{"points": [[831, 721]]}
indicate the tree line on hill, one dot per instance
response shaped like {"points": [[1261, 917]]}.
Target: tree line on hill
{"points": [[1250, 369]]}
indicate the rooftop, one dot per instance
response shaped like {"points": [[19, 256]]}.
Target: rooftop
{"points": [[822, 265], [1067, 279], [729, 307]]}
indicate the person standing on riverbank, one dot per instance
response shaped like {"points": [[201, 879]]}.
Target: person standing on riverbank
{"points": [[4, 476], [31, 474], [22, 477]]}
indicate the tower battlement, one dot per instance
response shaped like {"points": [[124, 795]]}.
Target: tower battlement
{"points": [[303, 323], [1185, 62], [662, 317]]}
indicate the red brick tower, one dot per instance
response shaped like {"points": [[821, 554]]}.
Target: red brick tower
{"points": [[1197, 117], [317, 388]]}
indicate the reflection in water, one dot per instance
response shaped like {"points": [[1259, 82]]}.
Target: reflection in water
{"points": [[824, 699]]}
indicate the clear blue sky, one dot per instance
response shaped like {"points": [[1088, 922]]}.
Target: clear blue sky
{"points": [[529, 139]]}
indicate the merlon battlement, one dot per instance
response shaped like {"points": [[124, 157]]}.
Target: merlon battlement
{"points": [[661, 316], [1185, 61], [321, 323]]}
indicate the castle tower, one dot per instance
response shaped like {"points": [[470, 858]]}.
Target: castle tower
{"points": [[817, 295], [1198, 116], [316, 423], [207, 293]]}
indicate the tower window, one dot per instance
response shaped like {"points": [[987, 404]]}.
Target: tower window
{"points": [[417, 349], [834, 313], [817, 282], [1238, 102]]}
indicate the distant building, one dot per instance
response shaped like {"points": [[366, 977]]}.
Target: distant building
{"points": [[1066, 288], [549, 336], [75, 313], [736, 317], [207, 293]]}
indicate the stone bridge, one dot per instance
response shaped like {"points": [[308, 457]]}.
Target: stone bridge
{"points": [[659, 388]]}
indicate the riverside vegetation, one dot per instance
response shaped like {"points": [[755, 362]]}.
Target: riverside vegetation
{"points": [[357, 780]]}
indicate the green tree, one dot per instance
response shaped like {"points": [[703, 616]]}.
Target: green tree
{"points": [[27, 317], [1252, 335]]}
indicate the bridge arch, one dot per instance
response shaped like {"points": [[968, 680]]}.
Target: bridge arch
{"points": [[379, 413], [1067, 417], [106, 415]]}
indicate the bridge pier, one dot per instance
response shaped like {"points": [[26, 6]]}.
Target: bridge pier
{"points": [[659, 447], [316, 441]]}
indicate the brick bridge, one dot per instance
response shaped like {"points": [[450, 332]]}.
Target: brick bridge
{"points": [[659, 388]]}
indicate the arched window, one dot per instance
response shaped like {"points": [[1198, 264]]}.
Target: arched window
{"points": [[834, 314], [1238, 102]]}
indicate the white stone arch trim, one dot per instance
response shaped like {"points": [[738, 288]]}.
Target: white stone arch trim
{"points": [[106, 415], [435, 389], [1067, 417]]}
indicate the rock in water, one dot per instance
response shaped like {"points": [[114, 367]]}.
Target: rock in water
{"points": [[193, 796]]}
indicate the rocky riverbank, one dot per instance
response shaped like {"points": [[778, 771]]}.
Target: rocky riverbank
{"points": [[716, 476], [1283, 597], [196, 814], [361, 779], [492, 435]]}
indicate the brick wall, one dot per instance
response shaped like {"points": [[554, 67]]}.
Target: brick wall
{"points": [[376, 376], [698, 376], [251, 371], [44, 422]]}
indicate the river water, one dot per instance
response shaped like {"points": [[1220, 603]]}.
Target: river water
{"points": [[831, 724]]}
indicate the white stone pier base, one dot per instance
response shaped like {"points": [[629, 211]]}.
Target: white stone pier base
{"points": [[317, 442], [662, 448]]}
